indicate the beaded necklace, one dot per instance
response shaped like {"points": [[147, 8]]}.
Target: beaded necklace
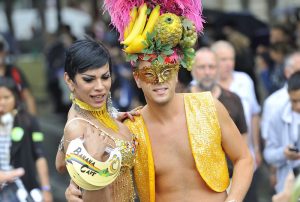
{"points": [[101, 114]]}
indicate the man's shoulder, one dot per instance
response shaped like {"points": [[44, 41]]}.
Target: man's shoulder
{"points": [[198, 95], [279, 96], [229, 95], [136, 123], [242, 77]]}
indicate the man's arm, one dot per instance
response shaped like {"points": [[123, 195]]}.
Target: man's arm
{"points": [[256, 138], [238, 152]]}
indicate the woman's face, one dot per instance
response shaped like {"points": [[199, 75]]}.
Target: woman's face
{"points": [[7, 101], [92, 86]]}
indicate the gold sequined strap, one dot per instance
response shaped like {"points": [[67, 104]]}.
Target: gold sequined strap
{"points": [[91, 123], [79, 118], [205, 140], [144, 173]]}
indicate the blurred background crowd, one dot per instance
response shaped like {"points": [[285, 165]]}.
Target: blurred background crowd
{"points": [[264, 37]]}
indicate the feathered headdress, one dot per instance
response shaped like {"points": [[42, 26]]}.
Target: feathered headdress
{"points": [[163, 30]]}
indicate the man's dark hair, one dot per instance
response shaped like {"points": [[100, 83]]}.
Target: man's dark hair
{"points": [[85, 54], [294, 82]]}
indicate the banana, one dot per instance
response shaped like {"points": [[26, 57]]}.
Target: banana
{"points": [[133, 15], [151, 20], [136, 46], [138, 26]]}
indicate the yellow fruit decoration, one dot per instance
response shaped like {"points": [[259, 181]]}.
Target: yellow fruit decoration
{"points": [[133, 15], [151, 21], [138, 26], [168, 29], [137, 45]]}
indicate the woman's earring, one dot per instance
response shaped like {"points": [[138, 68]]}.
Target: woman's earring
{"points": [[72, 96], [111, 110]]}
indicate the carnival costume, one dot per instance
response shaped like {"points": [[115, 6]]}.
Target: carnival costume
{"points": [[91, 174], [164, 32]]}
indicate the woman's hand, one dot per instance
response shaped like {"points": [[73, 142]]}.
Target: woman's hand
{"points": [[122, 116], [9, 176], [95, 142], [73, 193]]}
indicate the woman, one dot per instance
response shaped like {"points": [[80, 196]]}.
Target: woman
{"points": [[21, 146], [88, 76]]}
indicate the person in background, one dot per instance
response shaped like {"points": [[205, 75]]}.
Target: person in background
{"points": [[17, 75], [241, 84], [283, 135], [276, 100], [21, 144]]}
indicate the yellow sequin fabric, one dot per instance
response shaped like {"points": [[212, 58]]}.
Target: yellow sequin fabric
{"points": [[122, 187], [205, 139], [144, 173], [101, 114], [127, 149]]}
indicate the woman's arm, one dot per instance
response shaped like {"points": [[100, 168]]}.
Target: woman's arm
{"points": [[42, 169]]}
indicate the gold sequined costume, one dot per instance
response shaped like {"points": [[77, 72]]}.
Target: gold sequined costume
{"points": [[205, 140], [121, 189]]}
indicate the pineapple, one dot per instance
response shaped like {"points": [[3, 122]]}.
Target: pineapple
{"points": [[168, 29]]}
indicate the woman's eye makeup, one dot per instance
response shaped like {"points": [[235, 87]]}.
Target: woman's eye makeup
{"points": [[105, 76], [88, 79]]}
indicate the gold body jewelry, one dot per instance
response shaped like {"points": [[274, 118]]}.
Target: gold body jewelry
{"points": [[101, 114]]}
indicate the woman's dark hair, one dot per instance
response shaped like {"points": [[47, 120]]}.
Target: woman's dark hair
{"points": [[85, 54], [11, 86], [23, 117], [294, 82]]}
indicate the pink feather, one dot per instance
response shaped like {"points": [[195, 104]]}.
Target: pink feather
{"points": [[119, 11]]}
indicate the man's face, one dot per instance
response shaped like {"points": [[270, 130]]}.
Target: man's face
{"points": [[205, 70], [158, 84], [225, 62], [295, 100]]}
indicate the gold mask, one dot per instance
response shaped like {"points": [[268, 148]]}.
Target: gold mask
{"points": [[157, 72]]}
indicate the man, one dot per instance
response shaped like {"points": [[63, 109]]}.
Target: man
{"points": [[241, 84], [182, 138], [280, 97], [283, 142], [205, 75], [276, 100], [17, 76]]}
